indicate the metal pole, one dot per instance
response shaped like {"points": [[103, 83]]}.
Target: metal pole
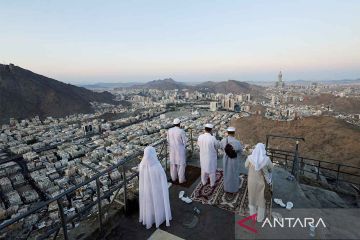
{"points": [[62, 218], [125, 189], [166, 153], [295, 166], [191, 142], [318, 171], [337, 176], [99, 203], [267, 142], [302, 165]]}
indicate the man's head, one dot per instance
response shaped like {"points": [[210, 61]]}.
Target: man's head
{"points": [[231, 131], [176, 122], [208, 127]]}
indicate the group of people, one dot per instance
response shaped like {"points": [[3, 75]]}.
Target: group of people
{"points": [[153, 186]]}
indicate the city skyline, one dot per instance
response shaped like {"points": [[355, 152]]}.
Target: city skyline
{"points": [[90, 42]]}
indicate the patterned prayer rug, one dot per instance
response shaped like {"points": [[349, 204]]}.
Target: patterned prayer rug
{"points": [[206, 194], [233, 202]]}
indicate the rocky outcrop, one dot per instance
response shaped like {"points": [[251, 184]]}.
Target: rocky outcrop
{"points": [[24, 94]]}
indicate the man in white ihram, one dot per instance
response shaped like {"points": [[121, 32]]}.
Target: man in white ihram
{"points": [[177, 144], [208, 155], [154, 201]]}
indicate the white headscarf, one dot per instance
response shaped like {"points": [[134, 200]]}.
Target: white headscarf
{"points": [[258, 157], [150, 157]]}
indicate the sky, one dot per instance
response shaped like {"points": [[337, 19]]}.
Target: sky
{"points": [[87, 41]]}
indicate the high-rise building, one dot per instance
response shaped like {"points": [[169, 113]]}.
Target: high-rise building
{"points": [[187, 95], [213, 106], [227, 103], [273, 99], [280, 83]]}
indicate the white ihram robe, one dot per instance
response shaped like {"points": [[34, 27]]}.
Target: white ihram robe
{"points": [[153, 191], [231, 166], [257, 163], [177, 144], [208, 157]]}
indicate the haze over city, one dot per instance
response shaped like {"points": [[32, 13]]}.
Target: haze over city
{"points": [[190, 41]]}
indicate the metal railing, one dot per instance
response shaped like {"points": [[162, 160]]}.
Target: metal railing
{"points": [[59, 199], [295, 165], [334, 173]]}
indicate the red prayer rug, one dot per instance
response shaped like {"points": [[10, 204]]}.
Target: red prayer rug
{"points": [[233, 202]]}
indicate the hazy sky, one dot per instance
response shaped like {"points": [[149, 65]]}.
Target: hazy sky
{"points": [[197, 40]]}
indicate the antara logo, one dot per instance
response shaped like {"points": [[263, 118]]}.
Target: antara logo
{"points": [[250, 218], [294, 222], [283, 222]]}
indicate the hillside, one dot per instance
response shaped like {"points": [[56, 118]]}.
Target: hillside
{"points": [[339, 104], [230, 86], [24, 94], [326, 138], [165, 84]]}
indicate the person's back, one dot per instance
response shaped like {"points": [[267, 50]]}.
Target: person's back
{"points": [[177, 144], [177, 153], [177, 136], [231, 161], [208, 155], [207, 144], [154, 201], [257, 163], [234, 143]]}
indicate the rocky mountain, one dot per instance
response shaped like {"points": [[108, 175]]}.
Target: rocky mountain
{"points": [[165, 84], [230, 86], [24, 94]]}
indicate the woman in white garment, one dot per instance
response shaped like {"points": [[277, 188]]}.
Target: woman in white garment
{"points": [[153, 191], [259, 165]]}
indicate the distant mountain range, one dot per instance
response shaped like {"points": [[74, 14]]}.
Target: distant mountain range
{"points": [[108, 85], [230, 86], [169, 83], [24, 94]]}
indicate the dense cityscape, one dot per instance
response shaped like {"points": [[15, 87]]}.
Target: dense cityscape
{"points": [[41, 158]]}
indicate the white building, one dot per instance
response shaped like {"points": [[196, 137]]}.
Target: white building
{"points": [[213, 106]]}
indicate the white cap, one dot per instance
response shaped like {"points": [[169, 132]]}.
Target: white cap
{"points": [[208, 125], [176, 121], [230, 129]]}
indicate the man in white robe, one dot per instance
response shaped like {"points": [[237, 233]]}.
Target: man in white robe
{"points": [[208, 155], [231, 165], [154, 201], [259, 166], [177, 145]]}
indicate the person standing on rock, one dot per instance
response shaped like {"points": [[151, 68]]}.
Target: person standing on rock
{"points": [[231, 161], [208, 155], [177, 146], [259, 166], [154, 200]]}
